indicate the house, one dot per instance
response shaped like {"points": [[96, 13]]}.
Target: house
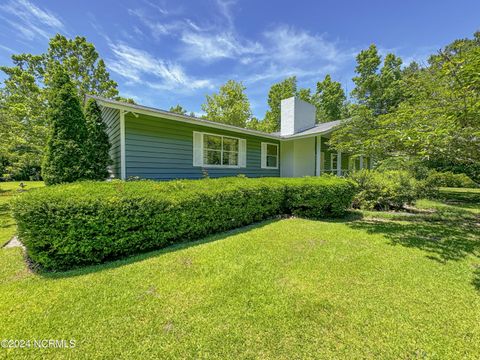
{"points": [[157, 144]]}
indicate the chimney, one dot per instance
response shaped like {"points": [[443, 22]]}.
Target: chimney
{"points": [[296, 115]]}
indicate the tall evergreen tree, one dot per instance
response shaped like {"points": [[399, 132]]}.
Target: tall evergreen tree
{"points": [[64, 159], [98, 145], [330, 100]]}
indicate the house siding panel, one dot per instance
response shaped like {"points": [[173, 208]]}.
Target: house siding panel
{"points": [[162, 149], [111, 117]]}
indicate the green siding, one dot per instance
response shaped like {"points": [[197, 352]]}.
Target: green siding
{"points": [[162, 149], [111, 117]]}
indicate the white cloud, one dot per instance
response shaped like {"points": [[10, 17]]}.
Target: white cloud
{"points": [[135, 65], [208, 47], [30, 20]]}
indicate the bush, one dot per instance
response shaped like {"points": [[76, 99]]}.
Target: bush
{"points": [[65, 226], [449, 179], [386, 190]]}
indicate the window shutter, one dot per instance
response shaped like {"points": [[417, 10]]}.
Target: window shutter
{"points": [[197, 149], [242, 153], [264, 155]]}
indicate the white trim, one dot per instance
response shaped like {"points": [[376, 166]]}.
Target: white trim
{"points": [[223, 166], [178, 117], [265, 154], [339, 163], [123, 169], [318, 156], [145, 110]]}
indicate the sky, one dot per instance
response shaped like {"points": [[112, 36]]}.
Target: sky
{"points": [[168, 52]]}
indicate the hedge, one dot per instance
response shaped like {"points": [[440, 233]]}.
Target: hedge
{"points": [[66, 226]]}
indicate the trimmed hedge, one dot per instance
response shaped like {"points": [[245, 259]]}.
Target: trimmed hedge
{"points": [[66, 226]]}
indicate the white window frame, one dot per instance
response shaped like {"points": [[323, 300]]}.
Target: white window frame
{"points": [[238, 166], [333, 156], [265, 154]]}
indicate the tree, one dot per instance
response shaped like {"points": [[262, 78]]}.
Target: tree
{"points": [[437, 117], [178, 109], [98, 145], [279, 91], [229, 106], [80, 60], [23, 96], [64, 159], [377, 89], [330, 100]]}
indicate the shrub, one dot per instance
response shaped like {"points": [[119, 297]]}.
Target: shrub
{"points": [[64, 159], [449, 179], [385, 190], [98, 144], [65, 226]]}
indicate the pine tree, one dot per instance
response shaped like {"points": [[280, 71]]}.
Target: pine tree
{"points": [[98, 145], [64, 159]]}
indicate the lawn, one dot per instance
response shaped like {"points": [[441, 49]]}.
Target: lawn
{"points": [[7, 190], [373, 285]]}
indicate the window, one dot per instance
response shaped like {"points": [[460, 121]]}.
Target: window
{"points": [[220, 150], [269, 156], [333, 161]]}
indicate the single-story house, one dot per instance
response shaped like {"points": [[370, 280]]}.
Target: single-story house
{"points": [[155, 144]]}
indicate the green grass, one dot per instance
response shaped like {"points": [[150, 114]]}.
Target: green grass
{"points": [[375, 285], [7, 190]]}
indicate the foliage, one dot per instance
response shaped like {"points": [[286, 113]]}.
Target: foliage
{"points": [[178, 109], [98, 144], [385, 190], [330, 99], [348, 283], [378, 88], [7, 191], [437, 119], [65, 159], [279, 91], [229, 106], [449, 179], [419, 169], [24, 100], [91, 222]]}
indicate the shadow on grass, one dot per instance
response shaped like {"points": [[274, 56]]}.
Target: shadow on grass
{"points": [[147, 255], [449, 233]]}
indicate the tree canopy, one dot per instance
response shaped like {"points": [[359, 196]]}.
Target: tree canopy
{"points": [[229, 106], [429, 112]]}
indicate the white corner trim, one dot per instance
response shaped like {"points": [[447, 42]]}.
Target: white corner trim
{"points": [[123, 169], [318, 155]]}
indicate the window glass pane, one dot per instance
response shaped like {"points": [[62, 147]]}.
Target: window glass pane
{"points": [[230, 144], [271, 149], [212, 142], [230, 158], [212, 157], [271, 161]]}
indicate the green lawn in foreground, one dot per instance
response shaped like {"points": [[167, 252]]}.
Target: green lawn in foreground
{"points": [[7, 190], [385, 285]]}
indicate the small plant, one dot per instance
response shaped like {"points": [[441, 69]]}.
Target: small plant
{"points": [[205, 174]]}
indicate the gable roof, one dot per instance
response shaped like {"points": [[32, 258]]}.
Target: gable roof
{"points": [[322, 128]]}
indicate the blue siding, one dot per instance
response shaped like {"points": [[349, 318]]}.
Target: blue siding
{"points": [[162, 149]]}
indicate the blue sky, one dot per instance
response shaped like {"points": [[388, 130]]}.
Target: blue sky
{"points": [[167, 52]]}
